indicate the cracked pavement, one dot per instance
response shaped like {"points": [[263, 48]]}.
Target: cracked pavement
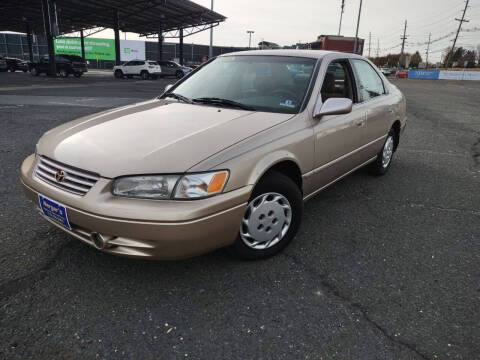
{"points": [[382, 268]]}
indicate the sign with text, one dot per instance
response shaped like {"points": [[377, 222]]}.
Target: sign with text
{"points": [[132, 50], [95, 48]]}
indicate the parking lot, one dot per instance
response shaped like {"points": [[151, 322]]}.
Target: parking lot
{"points": [[382, 268]]}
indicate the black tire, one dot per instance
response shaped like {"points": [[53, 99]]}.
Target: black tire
{"points": [[273, 182], [144, 75], [62, 73], [34, 72], [378, 167], [24, 70], [179, 74], [118, 74], [77, 74], [11, 69]]}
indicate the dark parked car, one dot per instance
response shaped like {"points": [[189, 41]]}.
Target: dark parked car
{"points": [[14, 64], [66, 65], [174, 69], [3, 65]]}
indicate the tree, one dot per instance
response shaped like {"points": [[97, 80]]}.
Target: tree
{"points": [[415, 60]]}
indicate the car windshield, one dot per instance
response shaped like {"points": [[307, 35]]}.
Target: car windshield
{"points": [[263, 83]]}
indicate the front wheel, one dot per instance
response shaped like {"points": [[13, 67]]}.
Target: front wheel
{"points": [[11, 69], [272, 218], [384, 158], [34, 72], [118, 74], [78, 74], [144, 75]]}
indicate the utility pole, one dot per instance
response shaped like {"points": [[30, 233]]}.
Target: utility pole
{"points": [[355, 44], [369, 43], [378, 48], [210, 49], [250, 32], [404, 37], [341, 16], [462, 20], [428, 49]]}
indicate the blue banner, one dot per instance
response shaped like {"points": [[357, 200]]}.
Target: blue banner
{"points": [[423, 74]]}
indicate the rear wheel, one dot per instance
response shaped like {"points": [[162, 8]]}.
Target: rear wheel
{"points": [[62, 73], [272, 218], [179, 74], [384, 158], [78, 74], [34, 72], [144, 75], [118, 74], [11, 69]]}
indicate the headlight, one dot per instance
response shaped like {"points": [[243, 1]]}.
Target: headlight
{"points": [[189, 186], [148, 187], [193, 186]]}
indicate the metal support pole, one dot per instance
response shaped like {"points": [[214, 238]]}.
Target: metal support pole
{"points": [[29, 41], [355, 44], [82, 44], [462, 20], [428, 50], [116, 30], [403, 45], [52, 71], [369, 43], [160, 43], [250, 32], [181, 47], [210, 49], [341, 16]]}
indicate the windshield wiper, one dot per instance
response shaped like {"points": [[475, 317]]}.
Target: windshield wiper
{"points": [[226, 102], [178, 97]]}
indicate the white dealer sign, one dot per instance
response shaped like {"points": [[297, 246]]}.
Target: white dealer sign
{"points": [[131, 50]]}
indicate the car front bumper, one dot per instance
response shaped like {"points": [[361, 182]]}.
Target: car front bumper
{"points": [[139, 228]]}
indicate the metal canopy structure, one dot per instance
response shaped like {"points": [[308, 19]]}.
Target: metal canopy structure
{"points": [[141, 17], [172, 18]]}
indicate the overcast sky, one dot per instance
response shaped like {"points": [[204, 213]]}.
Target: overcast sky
{"points": [[287, 22]]}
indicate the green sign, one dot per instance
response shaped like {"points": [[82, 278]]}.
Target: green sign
{"points": [[95, 48]]}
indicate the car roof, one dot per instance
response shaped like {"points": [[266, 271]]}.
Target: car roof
{"points": [[312, 54]]}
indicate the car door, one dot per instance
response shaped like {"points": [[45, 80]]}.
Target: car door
{"points": [[139, 66], [338, 137], [374, 99], [127, 67]]}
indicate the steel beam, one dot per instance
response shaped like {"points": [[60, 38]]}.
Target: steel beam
{"points": [[52, 71], [116, 30], [181, 46]]}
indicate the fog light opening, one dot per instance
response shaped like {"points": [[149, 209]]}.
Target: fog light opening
{"points": [[98, 240]]}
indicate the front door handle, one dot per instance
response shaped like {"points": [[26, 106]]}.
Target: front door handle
{"points": [[360, 122]]}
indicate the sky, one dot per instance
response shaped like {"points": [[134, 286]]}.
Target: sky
{"points": [[287, 22]]}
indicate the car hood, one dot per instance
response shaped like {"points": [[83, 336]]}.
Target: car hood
{"points": [[156, 136]]}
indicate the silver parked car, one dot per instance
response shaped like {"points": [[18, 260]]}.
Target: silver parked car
{"points": [[171, 68]]}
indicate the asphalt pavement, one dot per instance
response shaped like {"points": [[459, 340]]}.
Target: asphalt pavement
{"points": [[382, 268]]}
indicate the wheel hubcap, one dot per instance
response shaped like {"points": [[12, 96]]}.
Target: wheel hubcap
{"points": [[387, 152], [266, 221]]}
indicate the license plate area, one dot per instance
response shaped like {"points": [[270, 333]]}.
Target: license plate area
{"points": [[54, 211]]}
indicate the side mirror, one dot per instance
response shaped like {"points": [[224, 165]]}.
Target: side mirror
{"points": [[333, 106], [168, 87]]}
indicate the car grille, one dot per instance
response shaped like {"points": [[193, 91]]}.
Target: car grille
{"points": [[65, 177]]}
